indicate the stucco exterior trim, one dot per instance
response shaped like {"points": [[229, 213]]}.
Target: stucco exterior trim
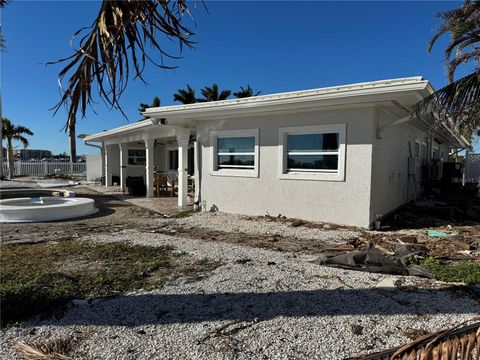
{"points": [[338, 175], [214, 171]]}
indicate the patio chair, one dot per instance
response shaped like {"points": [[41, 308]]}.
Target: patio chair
{"points": [[191, 185], [162, 183]]}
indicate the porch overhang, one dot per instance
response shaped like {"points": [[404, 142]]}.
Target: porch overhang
{"points": [[144, 129]]}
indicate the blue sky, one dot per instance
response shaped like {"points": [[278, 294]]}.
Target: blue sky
{"points": [[273, 46]]}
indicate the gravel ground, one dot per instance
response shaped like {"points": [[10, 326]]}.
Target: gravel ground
{"points": [[16, 184], [237, 223], [259, 304]]}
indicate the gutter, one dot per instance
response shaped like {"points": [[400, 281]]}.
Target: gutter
{"points": [[288, 98]]}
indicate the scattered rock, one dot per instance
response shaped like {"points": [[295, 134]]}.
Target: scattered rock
{"points": [[409, 239], [414, 334], [474, 244], [272, 238], [356, 329], [388, 284], [243, 261], [297, 223]]}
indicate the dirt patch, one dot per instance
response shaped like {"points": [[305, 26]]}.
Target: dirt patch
{"points": [[270, 241], [38, 278], [113, 216], [293, 222]]}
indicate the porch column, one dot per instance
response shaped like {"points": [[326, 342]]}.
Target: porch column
{"points": [[149, 166], [108, 168], [182, 140], [123, 164], [102, 159], [196, 171]]}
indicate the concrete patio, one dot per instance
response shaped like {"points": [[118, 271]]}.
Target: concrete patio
{"points": [[166, 205]]}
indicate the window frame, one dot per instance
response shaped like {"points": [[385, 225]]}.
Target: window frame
{"points": [[169, 150], [318, 174], [225, 171], [135, 157]]}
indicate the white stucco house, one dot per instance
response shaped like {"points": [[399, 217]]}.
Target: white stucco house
{"points": [[343, 154]]}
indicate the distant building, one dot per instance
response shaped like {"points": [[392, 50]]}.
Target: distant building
{"points": [[28, 154]]}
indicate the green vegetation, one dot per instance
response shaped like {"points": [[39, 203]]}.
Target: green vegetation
{"points": [[43, 278], [466, 271]]}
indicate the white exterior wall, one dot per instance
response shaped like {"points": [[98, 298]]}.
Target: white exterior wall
{"points": [[158, 160], [342, 202], [159, 157], [113, 153], [390, 187]]}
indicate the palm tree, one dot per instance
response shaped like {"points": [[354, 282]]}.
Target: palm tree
{"points": [[11, 133], [213, 94], [72, 138], [155, 103], [185, 96], [2, 39], [2, 48], [459, 101], [117, 46], [245, 92]]}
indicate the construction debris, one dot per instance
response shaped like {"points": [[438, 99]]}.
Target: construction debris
{"points": [[436, 233], [388, 284], [374, 261]]}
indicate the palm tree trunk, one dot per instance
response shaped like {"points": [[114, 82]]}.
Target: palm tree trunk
{"points": [[73, 143], [1, 140], [10, 160]]}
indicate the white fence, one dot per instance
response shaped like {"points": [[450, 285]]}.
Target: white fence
{"points": [[472, 168], [45, 168], [94, 167]]}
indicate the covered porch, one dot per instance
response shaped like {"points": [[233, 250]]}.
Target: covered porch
{"points": [[161, 158]]}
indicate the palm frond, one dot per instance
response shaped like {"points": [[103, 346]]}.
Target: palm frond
{"points": [[23, 130], [212, 93], [224, 94], [46, 350], [463, 24], [246, 92], [21, 139], [457, 103], [458, 342], [117, 44], [185, 96]]}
